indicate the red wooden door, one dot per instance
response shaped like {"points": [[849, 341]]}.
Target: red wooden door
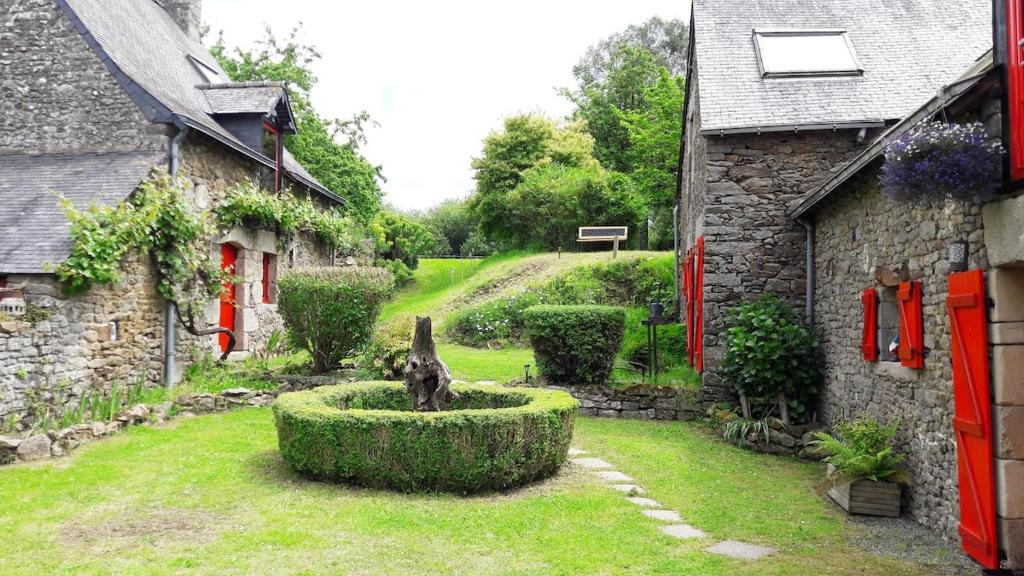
{"points": [[228, 256], [1015, 86], [972, 420]]}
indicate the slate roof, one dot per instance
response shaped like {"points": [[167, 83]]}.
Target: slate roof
{"points": [[242, 97], [149, 55], [35, 234], [907, 48]]}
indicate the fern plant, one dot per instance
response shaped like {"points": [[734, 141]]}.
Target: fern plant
{"points": [[737, 430], [863, 449]]}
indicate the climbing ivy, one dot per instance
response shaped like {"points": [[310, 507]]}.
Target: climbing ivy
{"points": [[286, 214]]}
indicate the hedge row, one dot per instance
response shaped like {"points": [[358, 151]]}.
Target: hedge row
{"points": [[493, 438]]}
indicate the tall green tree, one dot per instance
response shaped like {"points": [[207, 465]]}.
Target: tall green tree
{"points": [[327, 147], [667, 40], [526, 141]]}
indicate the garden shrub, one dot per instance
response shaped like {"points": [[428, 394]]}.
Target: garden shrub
{"points": [[331, 312], [499, 320], [575, 344], [770, 350], [493, 438], [387, 353]]}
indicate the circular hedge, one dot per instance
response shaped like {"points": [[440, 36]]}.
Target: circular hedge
{"points": [[492, 438]]}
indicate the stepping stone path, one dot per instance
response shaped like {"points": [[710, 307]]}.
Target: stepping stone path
{"points": [[683, 531], [652, 509], [663, 515], [740, 550]]}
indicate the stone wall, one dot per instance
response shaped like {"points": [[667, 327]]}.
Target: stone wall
{"points": [[857, 231], [55, 86], [639, 402], [111, 335], [750, 245], [694, 171]]}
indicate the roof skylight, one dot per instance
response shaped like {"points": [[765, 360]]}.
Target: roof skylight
{"points": [[803, 53], [210, 75]]}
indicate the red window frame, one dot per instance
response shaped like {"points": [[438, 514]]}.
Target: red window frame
{"points": [[869, 338], [278, 154], [698, 308], [1015, 86], [268, 280], [911, 352]]}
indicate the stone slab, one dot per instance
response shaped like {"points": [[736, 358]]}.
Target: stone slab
{"points": [[592, 463], [644, 502], [1005, 333], [1008, 374], [1009, 496], [1011, 541], [34, 448], [576, 452], [1004, 231], [1008, 422], [740, 550], [613, 476], [682, 531], [1006, 294], [631, 489], [663, 515]]}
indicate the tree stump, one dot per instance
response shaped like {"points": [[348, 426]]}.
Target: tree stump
{"points": [[426, 376]]}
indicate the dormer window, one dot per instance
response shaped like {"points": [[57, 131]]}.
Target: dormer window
{"points": [[273, 148], [209, 74], [785, 53]]}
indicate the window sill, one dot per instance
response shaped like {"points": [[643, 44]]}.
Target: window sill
{"points": [[896, 371]]}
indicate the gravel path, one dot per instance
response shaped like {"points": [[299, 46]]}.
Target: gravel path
{"points": [[904, 539]]}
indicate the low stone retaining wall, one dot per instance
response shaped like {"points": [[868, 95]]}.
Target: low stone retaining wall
{"points": [[793, 440], [640, 402]]}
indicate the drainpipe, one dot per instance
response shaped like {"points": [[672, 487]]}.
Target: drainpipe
{"points": [[170, 325], [675, 244], [809, 290]]}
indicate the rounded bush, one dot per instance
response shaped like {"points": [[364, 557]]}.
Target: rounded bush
{"points": [[575, 344], [331, 311], [493, 438]]}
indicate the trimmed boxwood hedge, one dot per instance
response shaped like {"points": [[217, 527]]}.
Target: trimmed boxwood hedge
{"points": [[575, 344], [493, 438]]}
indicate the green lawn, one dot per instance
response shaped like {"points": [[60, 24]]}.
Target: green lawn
{"points": [[210, 495]]}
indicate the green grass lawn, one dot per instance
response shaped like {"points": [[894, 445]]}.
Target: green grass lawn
{"points": [[210, 495]]}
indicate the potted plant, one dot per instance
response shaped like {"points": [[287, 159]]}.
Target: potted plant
{"points": [[939, 161], [863, 466]]}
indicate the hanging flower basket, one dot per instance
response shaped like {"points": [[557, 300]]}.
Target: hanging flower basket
{"points": [[936, 161]]}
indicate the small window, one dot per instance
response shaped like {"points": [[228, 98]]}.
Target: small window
{"points": [[782, 53], [272, 149], [269, 278], [888, 325]]}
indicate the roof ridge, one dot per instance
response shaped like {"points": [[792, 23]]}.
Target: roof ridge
{"points": [[249, 84]]}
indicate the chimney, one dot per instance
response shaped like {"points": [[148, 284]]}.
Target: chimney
{"points": [[187, 13]]}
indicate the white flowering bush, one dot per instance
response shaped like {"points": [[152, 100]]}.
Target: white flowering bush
{"points": [[499, 320]]}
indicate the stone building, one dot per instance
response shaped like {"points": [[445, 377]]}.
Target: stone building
{"points": [[872, 271], [763, 126], [96, 95]]}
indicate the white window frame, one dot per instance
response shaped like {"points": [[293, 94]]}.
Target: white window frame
{"points": [[858, 70]]}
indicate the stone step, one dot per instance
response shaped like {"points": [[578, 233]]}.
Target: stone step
{"points": [[592, 463], [663, 515], [740, 550], [683, 531], [644, 502], [613, 476]]}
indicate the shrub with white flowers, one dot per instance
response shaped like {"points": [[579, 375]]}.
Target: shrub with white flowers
{"points": [[936, 161]]}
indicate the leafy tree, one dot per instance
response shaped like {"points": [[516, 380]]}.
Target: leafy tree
{"points": [[400, 237], [554, 199], [527, 140], [653, 152], [667, 40], [327, 147], [452, 224]]}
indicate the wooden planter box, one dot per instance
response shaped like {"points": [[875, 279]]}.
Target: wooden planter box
{"points": [[867, 497]]}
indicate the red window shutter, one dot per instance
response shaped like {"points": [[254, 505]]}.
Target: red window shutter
{"points": [[1015, 85], [972, 416], [266, 277], [869, 339], [698, 307], [688, 290], [911, 351]]}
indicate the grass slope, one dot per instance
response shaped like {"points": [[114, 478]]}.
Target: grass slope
{"points": [[441, 286], [210, 495]]}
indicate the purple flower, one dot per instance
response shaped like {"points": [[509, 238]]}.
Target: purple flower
{"points": [[936, 160]]}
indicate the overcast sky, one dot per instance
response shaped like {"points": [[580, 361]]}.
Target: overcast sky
{"points": [[437, 76]]}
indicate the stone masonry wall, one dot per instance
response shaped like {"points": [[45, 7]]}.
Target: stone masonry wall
{"points": [[55, 87], [751, 245], [694, 171], [857, 232]]}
